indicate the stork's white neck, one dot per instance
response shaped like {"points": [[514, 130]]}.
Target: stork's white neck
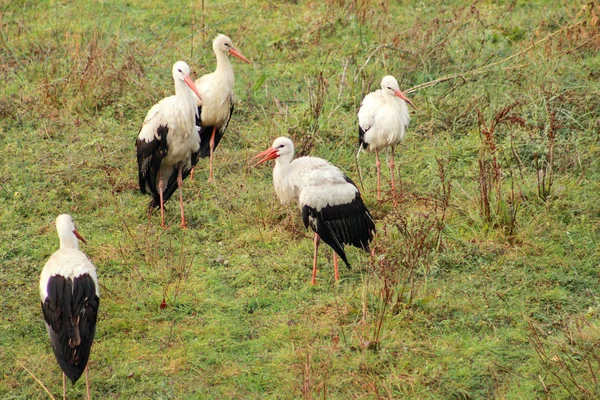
{"points": [[66, 233], [68, 240], [224, 68], [282, 182], [185, 96]]}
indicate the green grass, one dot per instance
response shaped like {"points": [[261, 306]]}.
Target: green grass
{"points": [[499, 305]]}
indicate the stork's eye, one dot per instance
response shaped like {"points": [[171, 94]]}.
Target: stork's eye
{"points": [[281, 146]]}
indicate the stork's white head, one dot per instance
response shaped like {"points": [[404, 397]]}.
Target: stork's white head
{"points": [[222, 44], [181, 70], [282, 148], [390, 86], [67, 234], [181, 73]]}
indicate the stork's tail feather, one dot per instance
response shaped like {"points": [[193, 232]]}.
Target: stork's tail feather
{"points": [[337, 247], [343, 257]]}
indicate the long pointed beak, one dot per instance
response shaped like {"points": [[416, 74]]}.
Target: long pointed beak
{"points": [[192, 85], [78, 236], [403, 97], [236, 53], [267, 155]]}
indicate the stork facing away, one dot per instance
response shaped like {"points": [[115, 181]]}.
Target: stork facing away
{"points": [[216, 106], [330, 202], [70, 298], [168, 143], [383, 119]]}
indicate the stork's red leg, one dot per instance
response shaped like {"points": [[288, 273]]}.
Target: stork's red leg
{"points": [[180, 184], [210, 160], [162, 205], [87, 384], [336, 271], [378, 165], [64, 386], [314, 273], [392, 169]]}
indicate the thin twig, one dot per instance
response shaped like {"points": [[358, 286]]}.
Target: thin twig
{"points": [[362, 185], [192, 35], [434, 82], [368, 59], [202, 22], [343, 77], [580, 46], [484, 68], [185, 4], [111, 292], [543, 384], [37, 380]]}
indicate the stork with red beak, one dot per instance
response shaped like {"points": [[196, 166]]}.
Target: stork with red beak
{"points": [[330, 202], [216, 107], [70, 298], [382, 122], [168, 143]]}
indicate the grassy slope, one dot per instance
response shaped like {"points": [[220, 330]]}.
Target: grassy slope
{"points": [[483, 311]]}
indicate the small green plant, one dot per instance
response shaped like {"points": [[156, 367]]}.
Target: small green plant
{"points": [[544, 164], [497, 207], [402, 257], [317, 92]]}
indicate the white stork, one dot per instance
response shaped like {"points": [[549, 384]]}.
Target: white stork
{"points": [[216, 106], [382, 121], [168, 143], [70, 298], [329, 200]]}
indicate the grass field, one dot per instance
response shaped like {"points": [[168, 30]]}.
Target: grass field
{"points": [[486, 273]]}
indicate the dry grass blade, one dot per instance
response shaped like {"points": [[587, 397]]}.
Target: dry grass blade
{"points": [[37, 380]]}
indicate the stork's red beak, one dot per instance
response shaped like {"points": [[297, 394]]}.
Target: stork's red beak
{"points": [[192, 85], [269, 154], [78, 236], [403, 97], [236, 53]]}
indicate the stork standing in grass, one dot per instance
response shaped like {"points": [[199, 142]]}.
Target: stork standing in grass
{"points": [[330, 202], [70, 298], [216, 106], [168, 143], [382, 122]]}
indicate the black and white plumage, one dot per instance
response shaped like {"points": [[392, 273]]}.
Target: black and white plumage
{"points": [[216, 107], [383, 119], [70, 297], [168, 143], [330, 202]]}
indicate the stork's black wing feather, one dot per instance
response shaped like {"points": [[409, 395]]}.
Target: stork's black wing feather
{"points": [[70, 311], [149, 156], [342, 224], [313, 218], [361, 137]]}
